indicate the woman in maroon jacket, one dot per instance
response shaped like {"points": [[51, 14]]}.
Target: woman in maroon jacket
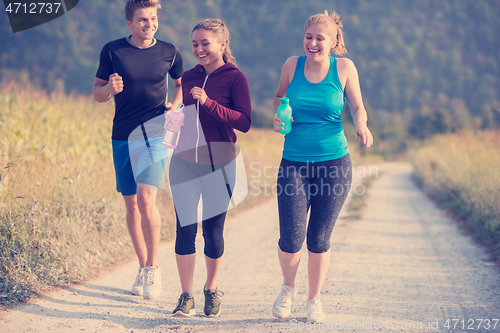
{"points": [[216, 96]]}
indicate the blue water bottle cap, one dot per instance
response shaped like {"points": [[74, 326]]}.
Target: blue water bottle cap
{"points": [[284, 100]]}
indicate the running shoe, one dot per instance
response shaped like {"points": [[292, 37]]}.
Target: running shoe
{"points": [[314, 310], [185, 306], [152, 282], [283, 304], [212, 302], [138, 286]]}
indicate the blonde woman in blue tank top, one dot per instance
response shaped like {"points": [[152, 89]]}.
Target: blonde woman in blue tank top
{"points": [[315, 171]]}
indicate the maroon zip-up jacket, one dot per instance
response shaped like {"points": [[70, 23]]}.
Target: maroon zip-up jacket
{"points": [[208, 136]]}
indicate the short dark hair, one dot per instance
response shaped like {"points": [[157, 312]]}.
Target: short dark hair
{"points": [[132, 5]]}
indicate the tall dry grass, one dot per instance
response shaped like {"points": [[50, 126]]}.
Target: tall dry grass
{"points": [[462, 172], [60, 217]]}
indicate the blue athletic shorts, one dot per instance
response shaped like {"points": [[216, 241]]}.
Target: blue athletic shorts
{"points": [[139, 161]]}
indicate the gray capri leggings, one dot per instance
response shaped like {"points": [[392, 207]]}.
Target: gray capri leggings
{"points": [[321, 186]]}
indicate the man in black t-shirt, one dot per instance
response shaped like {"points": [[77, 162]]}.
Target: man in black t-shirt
{"points": [[134, 70]]}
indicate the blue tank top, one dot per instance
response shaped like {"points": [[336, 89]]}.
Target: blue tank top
{"points": [[317, 133]]}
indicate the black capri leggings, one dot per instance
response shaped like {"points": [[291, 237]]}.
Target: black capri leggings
{"points": [[321, 186], [213, 229], [189, 182]]}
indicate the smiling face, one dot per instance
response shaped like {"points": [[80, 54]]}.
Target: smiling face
{"points": [[144, 26], [208, 49], [318, 42]]}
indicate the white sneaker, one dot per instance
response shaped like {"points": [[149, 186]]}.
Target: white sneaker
{"points": [[283, 304], [138, 285], [314, 311], [152, 282]]}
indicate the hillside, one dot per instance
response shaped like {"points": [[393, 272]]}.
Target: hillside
{"points": [[411, 55]]}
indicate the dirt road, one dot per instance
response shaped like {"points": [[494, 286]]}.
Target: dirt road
{"points": [[402, 267]]}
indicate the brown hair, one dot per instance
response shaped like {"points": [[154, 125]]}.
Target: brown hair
{"points": [[132, 5], [333, 25], [221, 32]]}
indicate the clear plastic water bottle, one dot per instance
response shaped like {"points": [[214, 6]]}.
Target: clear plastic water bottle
{"points": [[173, 123], [285, 114]]}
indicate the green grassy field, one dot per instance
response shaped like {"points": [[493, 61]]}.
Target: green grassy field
{"points": [[462, 173]]}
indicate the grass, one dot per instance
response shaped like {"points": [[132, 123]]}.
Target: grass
{"points": [[60, 218], [461, 172]]}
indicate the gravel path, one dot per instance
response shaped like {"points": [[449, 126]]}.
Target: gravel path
{"points": [[403, 267]]}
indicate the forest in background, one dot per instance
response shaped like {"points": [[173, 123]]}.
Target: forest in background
{"points": [[425, 66]]}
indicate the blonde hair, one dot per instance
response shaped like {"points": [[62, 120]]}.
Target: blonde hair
{"points": [[221, 32], [132, 5], [333, 25]]}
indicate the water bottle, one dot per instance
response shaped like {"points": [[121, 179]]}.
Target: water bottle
{"points": [[285, 114], [173, 123]]}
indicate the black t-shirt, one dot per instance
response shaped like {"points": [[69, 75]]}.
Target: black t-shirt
{"points": [[144, 74]]}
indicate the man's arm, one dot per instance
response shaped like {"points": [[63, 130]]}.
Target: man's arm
{"points": [[176, 95], [102, 89]]}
